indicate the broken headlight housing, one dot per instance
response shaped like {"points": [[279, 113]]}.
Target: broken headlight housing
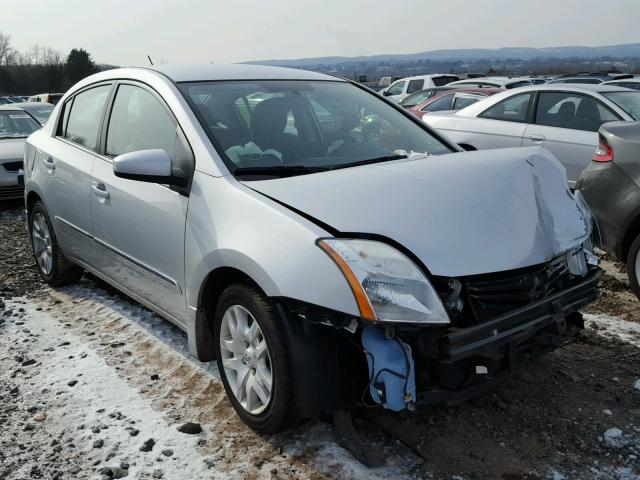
{"points": [[387, 285]]}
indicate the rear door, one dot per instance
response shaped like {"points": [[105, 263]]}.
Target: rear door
{"points": [[139, 226], [567, 124], [66, 167]]}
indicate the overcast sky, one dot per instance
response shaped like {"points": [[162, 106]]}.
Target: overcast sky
{"points": [[123, 32]]}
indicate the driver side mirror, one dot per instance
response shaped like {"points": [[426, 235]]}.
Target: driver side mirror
{"points": [[154, 166], [385, 92]]}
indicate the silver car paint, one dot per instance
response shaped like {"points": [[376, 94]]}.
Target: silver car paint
{"points": [[159, 247], [513, 206], [573, 148], [154, 162]]}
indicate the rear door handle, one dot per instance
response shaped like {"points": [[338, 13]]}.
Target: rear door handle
{"points": [[536, 138], [49, 163], [100, 190]]}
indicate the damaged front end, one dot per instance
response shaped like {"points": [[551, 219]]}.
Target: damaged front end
{"points": [[495, 324]]}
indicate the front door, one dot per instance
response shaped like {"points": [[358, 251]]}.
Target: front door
{"points": [[567, 124], [139, 226]]}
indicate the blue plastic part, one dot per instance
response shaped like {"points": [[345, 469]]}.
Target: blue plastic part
{"points": [[391, 391]]}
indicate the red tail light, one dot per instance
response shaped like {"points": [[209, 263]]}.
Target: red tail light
{"points": [[604, 152]]}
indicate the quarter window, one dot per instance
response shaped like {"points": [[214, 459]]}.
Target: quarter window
{"points": [[570, 110], [84, 118], [512, 109], [139, 121]]}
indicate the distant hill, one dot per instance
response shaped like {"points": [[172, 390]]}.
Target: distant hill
{"points": [[624, 51]]}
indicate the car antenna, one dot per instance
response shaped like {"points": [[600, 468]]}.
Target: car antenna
{"points": [[150, 61]]}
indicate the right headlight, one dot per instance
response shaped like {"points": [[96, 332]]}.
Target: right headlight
{"points": [[387, 285]]}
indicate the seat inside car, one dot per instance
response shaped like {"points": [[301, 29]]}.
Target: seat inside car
{"points": [[588, 116], [268, 123]]}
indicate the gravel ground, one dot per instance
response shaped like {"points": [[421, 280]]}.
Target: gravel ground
{"points": [[88, 378]]}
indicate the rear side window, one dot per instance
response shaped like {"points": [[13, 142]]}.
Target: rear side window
{"points": [[512, 109], [84, 116], [415, 85], [139, 121], [439, 104], [570, 110], [460, 102], [441, 81]]}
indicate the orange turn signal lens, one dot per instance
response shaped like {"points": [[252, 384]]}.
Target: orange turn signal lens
{"points": [[366, 310]]}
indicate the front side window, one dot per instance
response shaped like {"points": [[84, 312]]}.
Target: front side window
{"points": [[396, 88], [512, 109], [16, 124], [310, 125], [627, 101], [570, 110], [138, 121], [415, 85], [83, 116]]}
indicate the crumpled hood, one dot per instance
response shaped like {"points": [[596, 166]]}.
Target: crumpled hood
{"points": [[12, 149], [460, 214]]}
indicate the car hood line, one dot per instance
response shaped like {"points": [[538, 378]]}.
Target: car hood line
{"points": [[517, 209]]}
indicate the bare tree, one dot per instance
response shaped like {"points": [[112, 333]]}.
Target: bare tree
{"points": [[7, 52]]}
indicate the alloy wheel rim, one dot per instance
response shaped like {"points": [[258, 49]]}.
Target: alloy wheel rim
{"points": [[246, 359], [42, 248]]}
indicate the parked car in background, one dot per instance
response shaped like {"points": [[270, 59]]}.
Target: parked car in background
{"points": [[15, 127], [39, 111], [52, 98], [400, 89], [419, 97], [451, 100], [611, 187], [563, 118], [492, 82], [320, 261], [633, 83], [594, 78], [6, 100]]}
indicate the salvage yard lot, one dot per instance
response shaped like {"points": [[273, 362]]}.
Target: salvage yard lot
{"points": [[94, 386]]}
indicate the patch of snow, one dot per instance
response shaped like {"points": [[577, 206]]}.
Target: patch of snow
{"points": [[609, 326], [606, 411], [613, 437]]}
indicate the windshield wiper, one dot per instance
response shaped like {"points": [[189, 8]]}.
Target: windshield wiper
{"points": [[368, 161], [279, 170]]}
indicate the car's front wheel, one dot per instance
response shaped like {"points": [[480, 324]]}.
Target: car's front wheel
{"points": [[253, 359], [54, 268]]}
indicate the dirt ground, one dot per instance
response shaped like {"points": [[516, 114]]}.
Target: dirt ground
{"points": [[82, 368]]}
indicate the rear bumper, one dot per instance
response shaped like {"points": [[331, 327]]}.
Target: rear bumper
{"points": [[467, 361], [614, 199]]}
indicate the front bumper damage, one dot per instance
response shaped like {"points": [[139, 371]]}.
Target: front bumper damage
{"points": [[455, 364]]}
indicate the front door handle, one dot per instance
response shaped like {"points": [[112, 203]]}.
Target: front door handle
{"points": [[49, 163], [536, 138], [100, 190]]}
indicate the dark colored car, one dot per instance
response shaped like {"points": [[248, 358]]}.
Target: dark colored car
{"points": [[451, 99], [611, 187]]}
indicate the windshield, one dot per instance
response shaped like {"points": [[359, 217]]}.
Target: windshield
{"points": [[627, 101], [16, 124], [296, 127], [41, 113]]}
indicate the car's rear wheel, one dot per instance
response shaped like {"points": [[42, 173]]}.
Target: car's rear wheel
{"points": [[253, 359], [633, 266], [54, 268]]}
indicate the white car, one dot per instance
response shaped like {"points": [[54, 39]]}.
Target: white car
{"points": [[633, 83], [493, 82], [563, 118], [404, 87]]}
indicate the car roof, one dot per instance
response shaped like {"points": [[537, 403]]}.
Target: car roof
{"points": [[431, 75], [617, 80], [32, 105], [218, 71]]}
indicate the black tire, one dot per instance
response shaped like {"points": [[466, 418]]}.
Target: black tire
{"points": [[634, 251], [279, 413], [63, 272]]}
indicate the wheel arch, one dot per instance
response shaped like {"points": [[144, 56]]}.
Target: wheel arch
{"points": [[32, 199]]}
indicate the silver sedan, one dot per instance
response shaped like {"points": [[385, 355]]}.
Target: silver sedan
{"points": [[325, 245], [562, 118]]}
